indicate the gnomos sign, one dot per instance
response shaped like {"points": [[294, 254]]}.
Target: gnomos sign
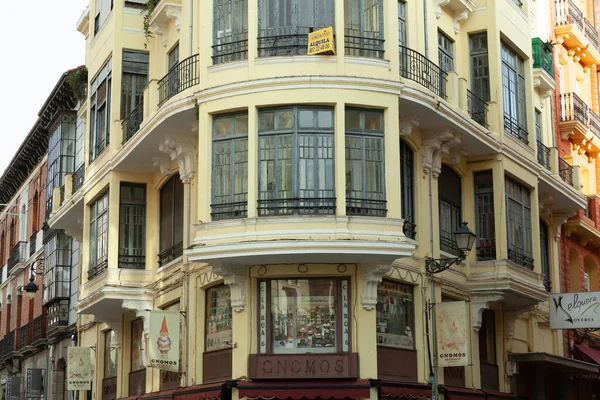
{"points": [[575, 310], [321, 41]]}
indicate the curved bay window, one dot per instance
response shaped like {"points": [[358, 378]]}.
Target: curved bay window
{"points": [[98, 236], [296, 161], [230, 42], [132, 226], [57, 278], [61, 154], [364, 28], [518, 206], [450, 200], [284, 25], [171, 221]]}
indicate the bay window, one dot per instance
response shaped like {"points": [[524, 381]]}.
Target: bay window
{"points": [[171, 221], [283, 25], [545, 253], [100, 110], [230, 167], [513, 93], [98, 236], [296, 161], [61, 154], [132, 226], [518, 206], [364, 28], [230, 31], [218, 318], [57, 277], [395, 324], [450, 200], [484, 215], [365, 175]]}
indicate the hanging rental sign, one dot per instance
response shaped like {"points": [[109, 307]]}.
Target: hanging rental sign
{"points": [[35, 383], [79, 368], [321, 42], [164, 340], [575, 310], [452, 334]]}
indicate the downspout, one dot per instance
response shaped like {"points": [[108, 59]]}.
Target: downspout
{"points": [[426, 43], [431, 307], [191, 30], [48, 371], [187, 289]]}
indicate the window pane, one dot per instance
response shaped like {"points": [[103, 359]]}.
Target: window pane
{"points": [[373, 121], [223, 126], [218, 318], [241, 123], [395, 315], [110, 354], [285, 120], [352, 119], [137, 344], [305, 118], [325, 119], [267, 121]]}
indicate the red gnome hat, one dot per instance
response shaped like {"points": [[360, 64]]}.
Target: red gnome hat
{"points": [[163, 328]]}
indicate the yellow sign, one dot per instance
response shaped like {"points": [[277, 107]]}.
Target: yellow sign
{"points": [[321, 41]]}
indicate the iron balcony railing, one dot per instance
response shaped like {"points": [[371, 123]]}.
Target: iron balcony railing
{"points": [[477, 109], [409, 229], [100, 266], [591, 34], [32, 244], [128, 261], [361, 43], [588, 207], [542, 55], [543, 155], [486, 249], [567, 13], [513, 128], [8, 344], [573, 108], [40, 325], [131, 123], [25, 335], [418, 68], [298, 206], [78, 178], [373, 208], [520, 259], [594, 123], [229, 210], [283, 42], [180, 77], [565, 171], [17, 255], [230, 48], [170, 254]]}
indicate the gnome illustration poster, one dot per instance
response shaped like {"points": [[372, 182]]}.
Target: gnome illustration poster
{"points": [[164, 340]]}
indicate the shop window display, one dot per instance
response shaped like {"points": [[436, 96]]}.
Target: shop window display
{"points": [[395, 315], [218, 318]]}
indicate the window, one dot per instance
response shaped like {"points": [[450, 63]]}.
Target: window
{"points": [[365, 176], [445, 52], [305, 315], [57, 266], [545, 253], [364, 28], [230, 167], [487, 351], [395, 315], [137, 345], [484, 214], [111, 353], [100, 110], [218, 318], [283, 25], [296, 161], [230, 30], [480, 70], [402, 38], [513, 89], [450, 200], [518, 205], [407, 187], [102, 10], [132, 226], [61, 154], [35, 213], [171, 221], [173, 57], [134, 80], [98, 236], [174, 73]]}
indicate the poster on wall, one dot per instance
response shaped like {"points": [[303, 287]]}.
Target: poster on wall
{"points": [[164, 340], [452, 334], [79, 368], [35, 383], [575, 310]]}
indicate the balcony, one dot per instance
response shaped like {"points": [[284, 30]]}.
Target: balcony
{"points": [[26, 338], [170, 254], [477, 109], [576, 33], [38, 336], [585, 225], [18, 256], [543, 67], [580, 125], [181, 77], [32, 244], [416, 67], [8, 346], [78, 178], [543, 155], [565, 171], [131, 123]]}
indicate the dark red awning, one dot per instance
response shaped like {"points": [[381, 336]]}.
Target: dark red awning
{"points": [[298, 390], [493, 395], [164, 395], [587, 354], [129, 398], [405, 390], [199, 392], [458, 393]]}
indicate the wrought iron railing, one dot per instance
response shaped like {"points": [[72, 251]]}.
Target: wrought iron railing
{"points": [[594, 123], [131, 123], [513, 128], [477, 109], [100, 266], [418, 68], [17, 255], [25, 335], [8, 344], [229, 49], [573, 108], [409, 229], [486, 249], [567, 13], [170, 254], [127, 261], [32, 244], [179, 78], [565, 171], [543, 155], [587, 211], [300, 206], [78, 178], [272, 42], [520, 259], [374, 208], [40, 325], [542, 55], [591, 34], [363, 43], [229, 210]]}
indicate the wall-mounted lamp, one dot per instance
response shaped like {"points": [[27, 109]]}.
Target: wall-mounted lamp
{"points": [[465, 239], [9, 299]]}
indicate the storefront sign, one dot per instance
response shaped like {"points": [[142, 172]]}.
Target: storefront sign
{"points": [[263, 317], [321, 41], [13, 388], [79, 368], [109, 388], [452, 334], [345, 317], [575, 310], [164, 340], [302, 366], [35, 383]]}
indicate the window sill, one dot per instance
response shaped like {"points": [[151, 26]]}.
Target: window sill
{"points": [[294, 59], [227, 66], [376, 62]]}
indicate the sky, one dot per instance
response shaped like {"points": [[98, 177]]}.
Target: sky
{"points": [[39, 44]]}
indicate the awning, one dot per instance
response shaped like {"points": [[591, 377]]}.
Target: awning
{"points": [[458, 393], [298, 390], [164, 395], [587, 354], [563, 364], [129, 398], [199, 392], [493, 395], [405, 390]]}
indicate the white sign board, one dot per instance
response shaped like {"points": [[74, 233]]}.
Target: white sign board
{"points": [[575, 310], [164, 340], [452, 333], [79, 368]]}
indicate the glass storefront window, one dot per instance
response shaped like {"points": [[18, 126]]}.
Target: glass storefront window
{"points": [[110, 354], [137, 345], [218, 318], [395, 315]]}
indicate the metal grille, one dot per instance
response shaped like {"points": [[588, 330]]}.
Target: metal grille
{"points": [[170, 254], [32, 244], [594, 123], [591, 33], [78, 178], [131, 123], [180, 77], [376, 208], [301, 206], [409, 229], [283, 45], [363, 43], [477, 109], [512, 127], [520, 259], [39, 329], [17, 255], [231, 49], [486, 249], [573, 108], [543, 155], [418, 68], [229, 210], [567, 13], [484, 209], [565, 171], [542, 56], [95, 271]]}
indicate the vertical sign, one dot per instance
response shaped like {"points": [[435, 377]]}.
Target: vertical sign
{"points": [[263, 317], [164, 340], [35, 383], [79, 368], [452, 334], [345, 317], [13, 388]]}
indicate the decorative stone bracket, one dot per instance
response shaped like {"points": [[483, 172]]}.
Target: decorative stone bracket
{"points": [[436, 145], [479, 303], [182, 151], [510, 318], [460, 8], [558, 221], [235, 278], [372, 275], [407, 122], [161, 19]]}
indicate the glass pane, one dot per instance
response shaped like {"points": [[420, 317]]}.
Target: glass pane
{"points": [[267, 121], [218, 318], [325, 119], [241, 123], [395, 315], [305, 118], [285, 119], [223, 126], [352, 119], [137, 345], [373, 121]]}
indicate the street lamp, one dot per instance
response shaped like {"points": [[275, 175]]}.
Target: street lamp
{"points": [[465, 239], [31, 288]]}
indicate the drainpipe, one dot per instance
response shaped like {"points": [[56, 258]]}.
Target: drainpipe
{"points": [[191, 29], [187, 283], [426, 45], [48, 371], [431, 311]]}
